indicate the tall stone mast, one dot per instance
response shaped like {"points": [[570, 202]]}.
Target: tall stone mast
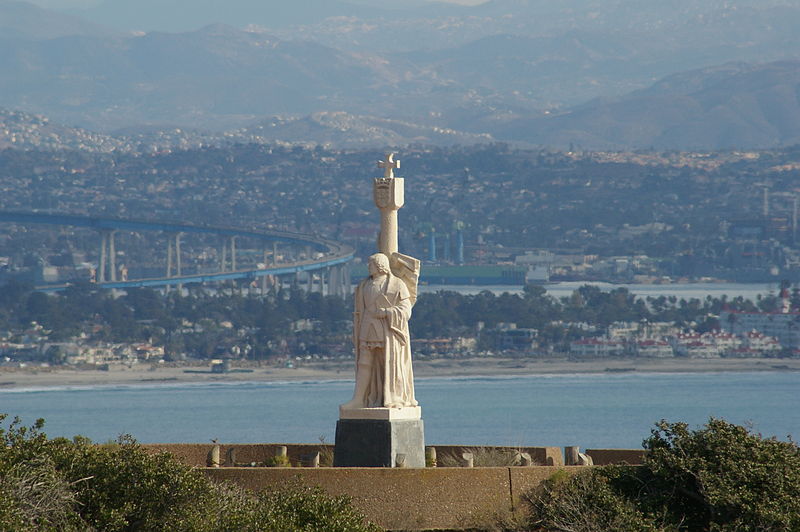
{"points": [[387, 192]]}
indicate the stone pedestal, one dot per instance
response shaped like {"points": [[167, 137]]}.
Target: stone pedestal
{"points": [[380, 437]]}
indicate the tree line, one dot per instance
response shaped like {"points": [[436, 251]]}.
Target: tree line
{"points": [[228, 322]]}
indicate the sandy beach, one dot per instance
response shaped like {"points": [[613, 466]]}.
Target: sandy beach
{"points": [[145, 374]]}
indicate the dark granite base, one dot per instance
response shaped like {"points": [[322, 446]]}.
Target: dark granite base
{"points": [[376, 443]]}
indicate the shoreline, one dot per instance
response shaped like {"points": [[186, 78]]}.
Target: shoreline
{"points": [[144, 375]]}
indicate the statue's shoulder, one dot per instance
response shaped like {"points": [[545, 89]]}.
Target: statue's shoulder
{"points": [[360, 285]]}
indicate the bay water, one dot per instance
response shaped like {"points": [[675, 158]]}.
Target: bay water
{"points": [[591, 411], [679, 290]]}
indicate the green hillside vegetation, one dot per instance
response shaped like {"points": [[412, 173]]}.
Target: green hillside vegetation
{"points": [[58, 484]]}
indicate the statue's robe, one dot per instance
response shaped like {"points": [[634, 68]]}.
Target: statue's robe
{"points": [[386, 341]]}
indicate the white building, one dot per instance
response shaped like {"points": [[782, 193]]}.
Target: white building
{"points": [[597, 347], [623, 329], [760, 342], [785, 326], [653, 349]]}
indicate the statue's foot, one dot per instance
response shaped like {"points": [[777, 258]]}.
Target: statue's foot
{"points": [[352, 404], [394, 405]]}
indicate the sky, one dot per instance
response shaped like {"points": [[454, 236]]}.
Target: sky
{"points": [[80, 4], [65, 4]]}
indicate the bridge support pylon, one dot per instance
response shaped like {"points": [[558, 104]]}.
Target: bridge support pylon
{"points": [[108, 257], [174, 248]]}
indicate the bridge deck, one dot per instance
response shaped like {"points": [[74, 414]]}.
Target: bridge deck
{"points": [[334, 253]]}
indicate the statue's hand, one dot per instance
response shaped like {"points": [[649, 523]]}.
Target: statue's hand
{"points": [[381, 314]]}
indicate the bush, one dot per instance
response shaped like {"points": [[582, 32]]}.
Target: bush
{"points": [[721, 477], [11, 515], [306, 509], [68, 485], [277, 461], [586, 502], [295, 508], [122, 487], [34, 495], [724, 477]]}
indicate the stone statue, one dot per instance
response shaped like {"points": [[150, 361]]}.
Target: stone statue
{"points": [[384, 377], [382, 425]]}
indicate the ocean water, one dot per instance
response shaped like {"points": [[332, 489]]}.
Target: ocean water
{"points": [[591, 411], [680, 290]]}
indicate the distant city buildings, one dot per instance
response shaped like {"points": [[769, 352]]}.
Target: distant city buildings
{"points": [[784, 326], [742, 334]]}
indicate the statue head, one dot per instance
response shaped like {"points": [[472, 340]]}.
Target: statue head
{"points": [[379, 265]]}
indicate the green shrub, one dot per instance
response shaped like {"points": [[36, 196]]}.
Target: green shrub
{"points": [[306, 509], [724, 477], [35, 495], [68, 485], [11, 515], [122, 487], [294, 508], [277, 461], [585, 502], [721, 477], [19, 443]]}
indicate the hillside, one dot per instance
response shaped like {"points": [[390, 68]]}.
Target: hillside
{"points": [[343, 130], [32, 132], [730, 106], [217, 78], [336, 130]]}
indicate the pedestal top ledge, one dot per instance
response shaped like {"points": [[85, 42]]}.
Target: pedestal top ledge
{"points": [[387, 414]]}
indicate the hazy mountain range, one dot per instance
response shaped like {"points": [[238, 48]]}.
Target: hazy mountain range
{"points": [[22, 20], [600, 74], [188, 15], [736, 105]]}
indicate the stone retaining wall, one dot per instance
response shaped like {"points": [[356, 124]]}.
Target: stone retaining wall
{"points": [[398, 499], [197, 454], [448, 498]]}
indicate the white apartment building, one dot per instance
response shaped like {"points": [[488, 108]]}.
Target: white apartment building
{"points": [[785, 326], [597, 347]]}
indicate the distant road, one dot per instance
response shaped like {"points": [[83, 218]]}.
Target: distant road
{"points": [[333, 253]]}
